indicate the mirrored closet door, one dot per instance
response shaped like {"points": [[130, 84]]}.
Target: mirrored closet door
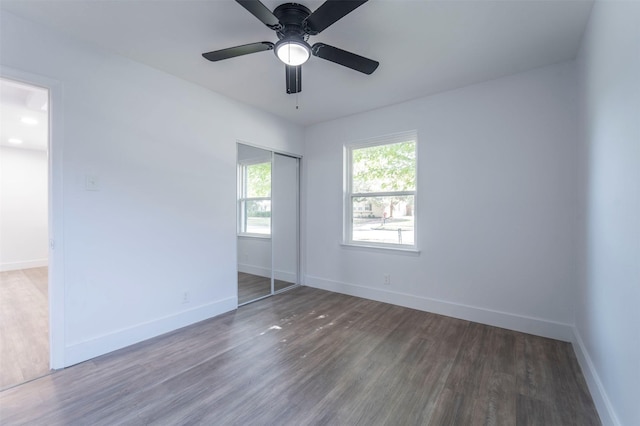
{"points": [[285, 221], [268, 222]]}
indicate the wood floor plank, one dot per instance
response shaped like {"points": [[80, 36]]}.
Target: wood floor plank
{"points": [[311, 357]]}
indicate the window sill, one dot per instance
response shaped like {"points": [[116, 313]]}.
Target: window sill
{"points": [[395, 250], [257, 236]]}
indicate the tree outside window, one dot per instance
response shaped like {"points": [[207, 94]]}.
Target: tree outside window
{"points": [[255, 199]]}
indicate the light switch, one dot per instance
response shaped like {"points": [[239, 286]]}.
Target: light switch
{"points": [[92, 183]]}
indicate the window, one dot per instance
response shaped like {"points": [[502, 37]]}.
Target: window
{"points": [[254, 199], [380, 192]]}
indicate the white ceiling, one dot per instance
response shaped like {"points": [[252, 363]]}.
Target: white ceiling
{"points": [[423, 47], [23, 115]]}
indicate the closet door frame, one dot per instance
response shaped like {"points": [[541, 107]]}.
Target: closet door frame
{"points": [[298, 270]]}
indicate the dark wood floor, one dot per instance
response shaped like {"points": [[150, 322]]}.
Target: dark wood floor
{"points": [[24, 326], [252, 287], [313, 357]]}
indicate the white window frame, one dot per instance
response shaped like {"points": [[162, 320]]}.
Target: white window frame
{"points": [[243, 199], [349, 195]]}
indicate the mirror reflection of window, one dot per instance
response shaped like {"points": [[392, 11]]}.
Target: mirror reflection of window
{"points": [[255, 199], [254, 207]]}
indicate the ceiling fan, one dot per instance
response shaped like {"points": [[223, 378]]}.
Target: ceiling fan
{"points": [[293, 24]]}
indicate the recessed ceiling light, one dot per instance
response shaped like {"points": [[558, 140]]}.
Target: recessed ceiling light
{"points": [[15, 141], [29, 121]]}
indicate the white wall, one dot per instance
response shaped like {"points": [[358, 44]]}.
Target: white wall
{"points": [[496, 204], [23, 208], [163, 221], [607, 336]]}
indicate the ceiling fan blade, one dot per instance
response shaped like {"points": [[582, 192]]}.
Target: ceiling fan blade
{"points": [[232, 52], [344, 58], [328, 13], [260, 11], [294, 78]]}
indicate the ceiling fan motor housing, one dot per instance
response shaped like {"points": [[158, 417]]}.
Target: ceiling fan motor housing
{"points": [[291, 17]]}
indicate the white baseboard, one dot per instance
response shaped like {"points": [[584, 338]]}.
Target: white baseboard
{"points": [[254, 270], [119, 339], [289, 277], [26, 264], [600, 398], [510, 321], [266, 272]]}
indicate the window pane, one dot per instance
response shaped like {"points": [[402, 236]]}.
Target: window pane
{"points": [[258, 180], [257, 216], [383, 219], [384, 168]]}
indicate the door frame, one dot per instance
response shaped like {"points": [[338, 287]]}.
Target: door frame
{"points": [[55, 209]]}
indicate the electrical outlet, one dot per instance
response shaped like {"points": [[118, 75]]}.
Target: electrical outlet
{"points": [[387, 279], [185, 297]]}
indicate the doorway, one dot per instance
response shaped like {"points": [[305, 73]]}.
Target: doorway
{"points": [[24, 231], [268, 222]]}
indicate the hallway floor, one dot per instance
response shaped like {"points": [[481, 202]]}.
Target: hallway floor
{"points": [[24, 326]]}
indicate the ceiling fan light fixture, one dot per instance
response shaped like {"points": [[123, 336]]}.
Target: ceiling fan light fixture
{"points": [[292, 52]]}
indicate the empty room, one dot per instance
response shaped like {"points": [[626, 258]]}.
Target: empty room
{"points": [[410, 212]]}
